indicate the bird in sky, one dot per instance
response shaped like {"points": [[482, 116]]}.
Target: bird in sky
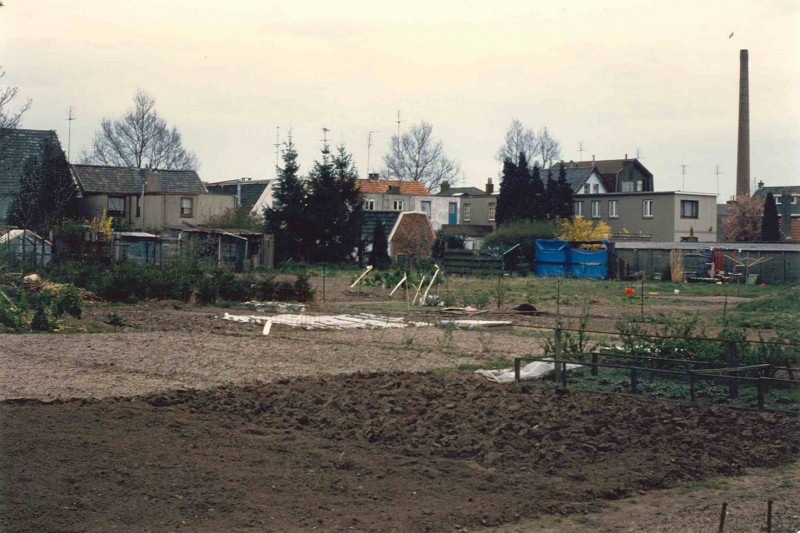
{"points": [[731, 35]]}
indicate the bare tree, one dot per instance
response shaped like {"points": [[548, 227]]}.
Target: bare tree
{"points": [[519, 140], [540, 149], [742, 221], [10, 119], [139, 138], [418, 156], [548, 148]]}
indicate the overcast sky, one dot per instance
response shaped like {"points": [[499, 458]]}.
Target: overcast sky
{"points": [[618, 76]]}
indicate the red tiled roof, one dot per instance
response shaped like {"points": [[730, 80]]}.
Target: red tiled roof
{"points": [[414, 188]]}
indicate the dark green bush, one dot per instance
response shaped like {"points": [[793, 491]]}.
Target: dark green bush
{"points": [[68, 301], [207, 288]]}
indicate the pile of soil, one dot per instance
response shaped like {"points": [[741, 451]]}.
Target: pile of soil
{"points": [[397, 451]]}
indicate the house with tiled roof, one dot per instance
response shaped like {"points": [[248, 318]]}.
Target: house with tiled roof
{"points": [[616, 175], [402, 196], [16, 146], [255, 195], [147, 199]]}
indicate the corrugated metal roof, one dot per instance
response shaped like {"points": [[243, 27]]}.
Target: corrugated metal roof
{"points": [[743, 246]]}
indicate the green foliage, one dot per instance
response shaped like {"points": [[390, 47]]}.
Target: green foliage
{"points": [[207, 288], [523, 233], [334, 205], [236, 218], [303, 291], [68, 301], [47, 194], [379, 255], [117, 320], [770, 224], [289, 218], [40, 322]]}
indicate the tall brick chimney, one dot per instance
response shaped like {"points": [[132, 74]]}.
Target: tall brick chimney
{"points": [[489, 187], [743, 152]]}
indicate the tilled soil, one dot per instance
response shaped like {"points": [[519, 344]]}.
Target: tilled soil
{"points": [[371, 452]]}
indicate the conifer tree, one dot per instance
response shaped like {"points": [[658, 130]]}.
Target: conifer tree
{"points": [[509, 188], [289, 218], [551, 196], [770, 226], [537, 206], [563, 207], [379, 255], [335, 206]]}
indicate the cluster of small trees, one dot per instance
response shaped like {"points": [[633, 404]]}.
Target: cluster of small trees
{"points": [[319, 218], [524, 195]]}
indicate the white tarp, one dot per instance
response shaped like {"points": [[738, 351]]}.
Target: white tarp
{"points": [[534, 370], [476, 324], [359, 321]]}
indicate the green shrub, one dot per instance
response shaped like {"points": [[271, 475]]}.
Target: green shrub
{"points": [[523, 233], [207, 288], [302, 287], [68, 301], [40, 322]]}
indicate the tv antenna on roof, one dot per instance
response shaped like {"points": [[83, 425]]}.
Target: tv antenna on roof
{"points": [[369, 146], [398, 127], [325, 131], [638, 153], [277, 146], [683, 177], [580, 149], [718, 173], [69, 119]]}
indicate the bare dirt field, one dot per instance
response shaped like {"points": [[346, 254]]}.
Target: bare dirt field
{"points": [[183, 421]]}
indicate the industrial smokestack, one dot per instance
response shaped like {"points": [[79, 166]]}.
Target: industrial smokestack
{"points": [[743, 153]]}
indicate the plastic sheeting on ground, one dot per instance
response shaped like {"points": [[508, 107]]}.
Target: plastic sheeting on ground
{"points": [[534, 370], [359, 321], [476, 324]]}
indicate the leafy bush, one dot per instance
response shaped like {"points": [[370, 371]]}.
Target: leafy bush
{"points": [[523, 233], [68, 301]]}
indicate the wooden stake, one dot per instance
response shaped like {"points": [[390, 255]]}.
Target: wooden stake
{"points": [[722, 518], [419, 287], [361, 276], [405, 276]]}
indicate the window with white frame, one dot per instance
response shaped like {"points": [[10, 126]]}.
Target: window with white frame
{"points": [[777, 200], [647, 208], [467, 212], [186, 207], [426, 207], [595, 188], [578, 208], [586, 189], [595, 208], [639, 185], [397, 205], [690, 208], [492, 211], [369, 204], [612, 209]]}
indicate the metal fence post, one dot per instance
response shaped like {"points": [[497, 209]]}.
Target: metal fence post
{"points": [[733, 382], [557, 363], [594, 363], [692, 381], [634, 380], [762, 390]]}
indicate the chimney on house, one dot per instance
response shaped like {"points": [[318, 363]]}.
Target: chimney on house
{"points": [[743, 150], [444, 186], [761, 184], [593, 161], [489, 187], [626, 157], [152, 181]]}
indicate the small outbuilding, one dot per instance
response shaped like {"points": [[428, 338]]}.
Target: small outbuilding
{"points": [[26, 246]]}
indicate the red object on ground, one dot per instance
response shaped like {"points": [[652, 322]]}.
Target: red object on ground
{"points": [[629, 291]]}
